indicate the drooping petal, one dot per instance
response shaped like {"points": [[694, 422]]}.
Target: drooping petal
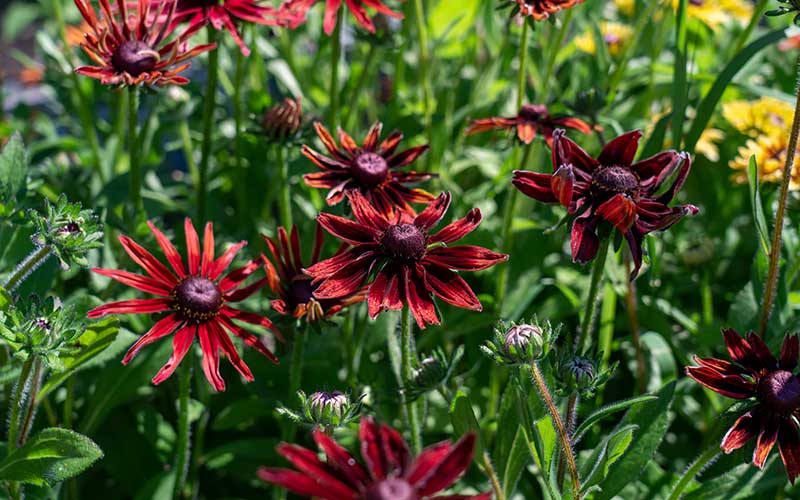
{"points": [[732, 386], [744, 429], [449, 468], [621, 150], [566, 151], [526, 131], [464, 257], [535, 185], [181, 343], [790, 351], [433, 213], [418, 297], [395, 451], [451, 288], [584, 242], [619, 210], [458, 229], [766, 440], [307, 462], [562, 183], [384, 292], [634, 239], [210, 348], [789, 446], [161, 329]]}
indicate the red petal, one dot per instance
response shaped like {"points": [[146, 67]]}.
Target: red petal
{"points": [[210, 348], [789, 446], [135, 306], [160, 330], [365, 213], [169, 250], [224, 342], [566, 151], [222, 263], [253, 319], [374, 134], [192, 246], [790, 351], [341, 459], [324, 269], [745, 428], [237, 276], [451, 288], [208, 250], [136, 281], [406, 157], [433, 213], [384, 292], [458, 229], [427, 460], [181, 343], [464, 257], [418, 297], [732, 386], [371, 448], [766, 440], [449, 468], [395, 450], [621, 150], [247, 337], [562, 183], [307, 462], [347, 280], [620, 210], [347, 230], [299, 483], [147, 262], [535, 185], [526, 132], [584, 241]]}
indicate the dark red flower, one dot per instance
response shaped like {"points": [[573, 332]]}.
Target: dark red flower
{"points": [[196, 299], [130, 48], [295, 289], [755, 373], [389, 471], [532, 118], [225, 13], [541, 9], [610, 188], [370, 169], [300, 8], [409, 265]]}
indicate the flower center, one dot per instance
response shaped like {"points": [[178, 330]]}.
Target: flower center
{"points": [[300, 292], [532, 112], [780, 391], [404, 241], [369, 169], [197, 298], [697, 3], [611, 38], [608, 181], [391, 489], [135, 57]]}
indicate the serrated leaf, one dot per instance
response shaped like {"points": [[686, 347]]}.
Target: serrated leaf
{"points": [[758, 209], [464, 420], [49, 457], [609, 410], [13, 168]]}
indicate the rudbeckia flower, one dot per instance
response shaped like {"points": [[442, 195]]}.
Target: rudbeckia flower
{"points": [[300, 8], [371, 169], [531, 119], [764, 116], [771, 384], [195, 297], [541, 9], [131, 48], [409, 264], [715, 13], [770, 153], [615, 36], [388, 470], [610, 188]]}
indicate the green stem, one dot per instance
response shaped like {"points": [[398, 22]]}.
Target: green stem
{"points": [[208, 122], [296, 370], [284, 196], [758, 11], [424, 72], [499, 494], [30, 411], [408, 359], [238, 75], [336, 55], [27, 266], [16, 404], [362, 79], [523, 57], [133, 149], [775, 249], [556, 44], [693, 470], [632, 305], [587, 322], [182, 451], [561, 430]]}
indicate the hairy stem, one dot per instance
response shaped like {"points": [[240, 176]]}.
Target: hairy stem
{"points": [[588, 320], [28, 265], [693, 470], [182, 449], [499, 494], [17, 403], [30, 411], [408, 360]]}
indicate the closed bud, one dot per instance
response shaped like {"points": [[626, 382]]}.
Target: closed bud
{"points": [[283, 121], [326, 409], [434, 371], [520, 344], [579, 375]]}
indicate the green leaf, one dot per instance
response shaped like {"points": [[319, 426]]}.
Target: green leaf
{"points": [[709, 102], [608, 410], [464, 420], [608, 453], [49, 457], [93, 342], [680, 88], [652, 420], [13, 168], [515, 462], [758, 208]]}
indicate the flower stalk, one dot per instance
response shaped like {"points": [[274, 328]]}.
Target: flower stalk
{"points": [[775, 248], [16, 404], [408, 360], [28, 265], [133, 148], [588, 320], [182, 448], [697, 466], [336, 56], [208, 122], [284, 196]]}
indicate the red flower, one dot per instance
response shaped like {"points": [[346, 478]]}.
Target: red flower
{"points": [[532, 118], [300, 8], [389, 472], [197, 302], [409, 265], [610, 188], [129, 48], [541, 9], [755, 373], [224, 14], [370, 169], [295, 289]]}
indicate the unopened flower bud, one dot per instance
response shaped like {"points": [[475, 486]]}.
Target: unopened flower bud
{"points": [[283, 120], [520, 344]]}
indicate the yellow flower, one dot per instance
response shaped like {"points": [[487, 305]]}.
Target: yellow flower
{"points": [[770, 155], [616, 35], [625, 6], [707, 143], [764, 116], [714, 13]]}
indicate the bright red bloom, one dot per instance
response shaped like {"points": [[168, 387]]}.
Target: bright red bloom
{"points": [[295, 289], [532, 118], [197, 301], [300, 8], [409, 265], [224, 14], [389, 471], [755, 373], [610, 188], [541, 9], [370, 169], [129, 48]]}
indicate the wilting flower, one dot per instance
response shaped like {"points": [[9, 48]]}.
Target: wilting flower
{"points": [[764, 116], [371, 169], [610, 188], [295, 290], [615, 36], [224, 14], [756, 374], [541, 9], [300, 8], [388, 471], [196, 300], [715, 13], [770, 153], [532, 118], [283, 121], [405, 263], [130, 48]]}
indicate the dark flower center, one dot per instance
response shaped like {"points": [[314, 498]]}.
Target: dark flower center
{"points": [[70, 227], [780, 391], [391, 489], [532, 112], [369, 169], [134, 57], [197, 298], [300, 292], [404, 241], [608, 181]]}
